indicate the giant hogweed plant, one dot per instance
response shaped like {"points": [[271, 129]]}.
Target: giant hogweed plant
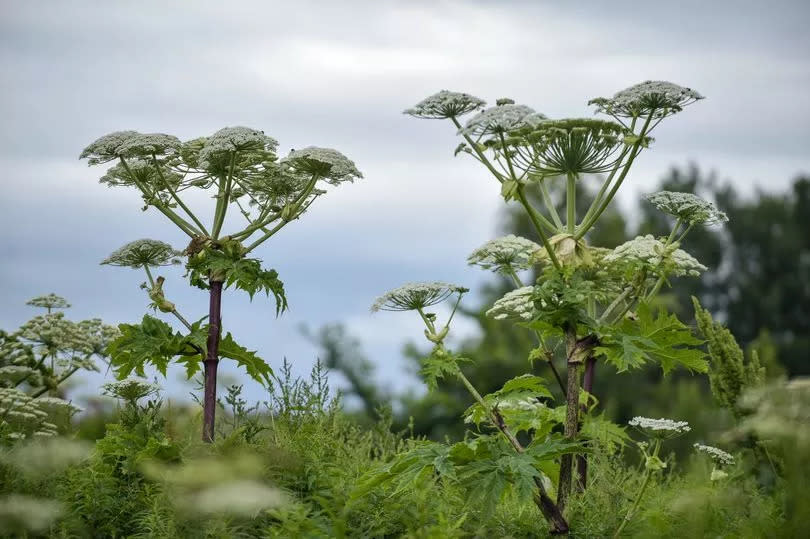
{"points": [[240, 167], [593, 303]]}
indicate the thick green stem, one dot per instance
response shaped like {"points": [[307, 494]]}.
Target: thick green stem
{"points": [[635, 150], [647, 476], [532, 216], [549, 203], [571, 203]]}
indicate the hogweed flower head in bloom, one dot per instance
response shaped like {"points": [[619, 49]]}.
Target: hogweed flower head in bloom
{"points": [[416, 296], [217, 149], [105, 148], [516, 305], [325, 163], [157, 144], [716, 454], [687, 207], [652, 253], [139, 253], [51, 301], [56, 334], [445, 104], [504, 255], [498, 120], [660, 428], [656, 98], [130, 389]]}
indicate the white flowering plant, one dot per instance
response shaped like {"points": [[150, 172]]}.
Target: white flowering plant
{"points": [[593, 302], [242, 169], [38, 357]]}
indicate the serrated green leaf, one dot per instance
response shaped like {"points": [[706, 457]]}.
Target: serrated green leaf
{"points": [[255, 366]]}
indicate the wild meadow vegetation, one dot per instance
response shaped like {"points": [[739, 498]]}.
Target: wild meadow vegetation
{"points": [[523, 433]]}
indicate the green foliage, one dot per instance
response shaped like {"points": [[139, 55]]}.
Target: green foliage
{"points": [[233, 269], [154, 342], [439, 364], [517, 401], [730, 374], [662, 338]]}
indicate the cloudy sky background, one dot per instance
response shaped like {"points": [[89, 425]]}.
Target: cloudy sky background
{"points": [[339, 74]]}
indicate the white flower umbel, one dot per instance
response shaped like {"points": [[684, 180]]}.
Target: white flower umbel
{"points": [[157, 144], [130, 389], [105, 148], [653, 254], [325, 163], [660, 428], [687, 207], [656, 97], [498, 119], [515, 305], [145, 252], [51, 301], [55, 334], [717, 454], [504, 255], [415, 296], [217, 149], [445, 104]]}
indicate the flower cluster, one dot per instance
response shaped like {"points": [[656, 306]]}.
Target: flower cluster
{"points": [[145, 252], [445, 104], [325, 163], [653, 254], [660, 428], [687, 207], [51, 301], [515, 305], [105, 148], [140, 171], [130, 389], [500, 119], [55, 334], [718, 455], [656, 98], [218, 148], [149, 145], [21, 416], [416, 296], [504, 255]]}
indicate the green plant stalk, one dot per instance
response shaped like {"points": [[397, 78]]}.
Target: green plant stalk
{"points": [[571, 203], [61, 379], [174, 312], [550, 204], [177, 198], [647, 476], [571, 415], [636, 149], [533, 217], [660, 282], [181, 223], [223, 196]]}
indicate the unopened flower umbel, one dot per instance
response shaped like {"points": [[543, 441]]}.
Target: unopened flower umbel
{"points": [[326, 163], [515, 305], [653, 97], [497, 119], [656, 256], [445, 104], [717, 454], [660, 428], [51, 301], [139, 253]]}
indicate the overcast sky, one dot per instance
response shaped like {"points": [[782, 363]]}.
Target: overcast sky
{"points": [[339, 74]]}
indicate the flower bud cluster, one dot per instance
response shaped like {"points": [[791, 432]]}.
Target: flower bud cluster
{"points": [[325, 163], [660, 428], [445, 104], [504, 255], [22, 417], [688, 207], [654, 255], [145, 252], [516, 305], [50, 301], [130, 389], [656, 98], [717, 454]]}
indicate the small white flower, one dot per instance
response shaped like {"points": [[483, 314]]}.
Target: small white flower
{"points": [[718, 455], [688, 207], [660, 98], [445, 104], [413, 296], [660, 428], [509, 253], [651, 252], [515, 305], [145, 252], [325, 163], [499, 119]]}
